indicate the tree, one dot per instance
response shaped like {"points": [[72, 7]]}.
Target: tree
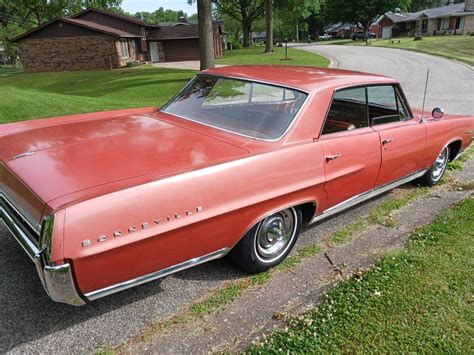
{"points": [[31, 13], [206, 34], [362, 12], [18, 16], [292, 14], [269, 26], [243, 11], [418, 5], [160, 15]]}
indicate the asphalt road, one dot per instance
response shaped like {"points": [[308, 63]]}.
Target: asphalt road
{"points": [[30, 322], [450, 85]]}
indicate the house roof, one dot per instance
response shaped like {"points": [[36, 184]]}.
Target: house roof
{"points": [[340, 26], [437, 12], [101, 28], [174, 32], [81, 23], [186, 31], [113, 14]]}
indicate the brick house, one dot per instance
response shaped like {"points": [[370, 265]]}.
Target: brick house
{"points": [[97, 39], [450, 19]]}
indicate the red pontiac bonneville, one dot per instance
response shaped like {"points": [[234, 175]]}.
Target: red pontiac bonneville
{"points": [[235, 162]]}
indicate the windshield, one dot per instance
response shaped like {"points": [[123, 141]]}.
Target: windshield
{"points": [[252, 109]]}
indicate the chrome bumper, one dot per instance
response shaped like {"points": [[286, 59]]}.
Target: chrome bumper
{"points": [[57, 280]]}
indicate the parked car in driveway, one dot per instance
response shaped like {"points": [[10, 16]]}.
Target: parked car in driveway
{"points": [[361, 35], [234, 164], [325, 37]]}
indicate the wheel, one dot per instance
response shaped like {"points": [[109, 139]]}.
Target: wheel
{"points": [[269, 241], [436, 172]]}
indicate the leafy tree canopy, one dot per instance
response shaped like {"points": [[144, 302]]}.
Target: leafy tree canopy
{"points": [[360, 11], [160, 15]]}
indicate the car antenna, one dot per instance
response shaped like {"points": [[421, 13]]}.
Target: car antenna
{"points": [[424, 96]]}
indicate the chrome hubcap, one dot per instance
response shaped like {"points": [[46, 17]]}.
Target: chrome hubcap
{"points": [[440, 165], [275, 234]]}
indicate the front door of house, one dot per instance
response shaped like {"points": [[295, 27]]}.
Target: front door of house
{"points": [[154, 52]]}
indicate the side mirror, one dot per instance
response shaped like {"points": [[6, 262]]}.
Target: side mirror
{"points": [[437, 113]]}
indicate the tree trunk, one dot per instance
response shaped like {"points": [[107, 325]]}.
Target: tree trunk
{"points": [[269, 26], [247, 32], [297, 31], [206, 36]]}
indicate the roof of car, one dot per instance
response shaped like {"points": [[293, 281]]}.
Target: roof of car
{"points": [[309, 79]]}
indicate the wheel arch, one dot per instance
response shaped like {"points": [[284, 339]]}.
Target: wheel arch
{"points": [[454, 148], [308, 209]]}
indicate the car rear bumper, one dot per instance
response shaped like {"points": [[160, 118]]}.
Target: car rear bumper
{"points": [[57, 280]]}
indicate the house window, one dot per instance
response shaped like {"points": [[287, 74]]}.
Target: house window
{"points": [[445, 23], [459, 23], [124, 50]]}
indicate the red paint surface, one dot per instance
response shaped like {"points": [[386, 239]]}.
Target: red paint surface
{"points": [[111, 171]]}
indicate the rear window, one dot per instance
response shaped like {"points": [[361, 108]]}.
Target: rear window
{"points": [[247, 108]]}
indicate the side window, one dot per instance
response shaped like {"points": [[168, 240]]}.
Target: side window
{"points": [[402, 107], [383, 106], [348, 111]]}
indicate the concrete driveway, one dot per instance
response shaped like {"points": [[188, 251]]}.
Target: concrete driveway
{"points": [[187, 65], [451, 84]]}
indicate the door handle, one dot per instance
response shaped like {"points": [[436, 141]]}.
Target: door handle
{"points": [[387, 140], [333, 157]]}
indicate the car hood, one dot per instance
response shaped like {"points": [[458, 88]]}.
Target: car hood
{"points": [[61, 159]]}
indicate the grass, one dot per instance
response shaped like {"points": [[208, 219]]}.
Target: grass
{"points": [[416, 300], [452, 47], [255, 55], [217, 299], [28, 96]]}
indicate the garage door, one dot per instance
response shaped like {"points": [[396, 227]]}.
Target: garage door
{"points": [[182, 49], [387, 32]]}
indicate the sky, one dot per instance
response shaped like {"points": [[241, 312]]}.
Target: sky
{"points": [[133, 6]]}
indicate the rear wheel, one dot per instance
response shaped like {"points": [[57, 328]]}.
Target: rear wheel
{"points": [[269, 241], [436, 172]]}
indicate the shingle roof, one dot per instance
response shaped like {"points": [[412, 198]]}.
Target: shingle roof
{"points": [[113, 14], [174, 32], [101, 28], [81, 23], [442, 11]]}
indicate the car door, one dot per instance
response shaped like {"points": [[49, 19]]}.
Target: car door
{"points": [[351, 148], [402, 138]]}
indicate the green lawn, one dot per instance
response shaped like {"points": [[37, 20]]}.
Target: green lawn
{"points": [[453, 47], [27, 96], [416, 300], [255, 55]]}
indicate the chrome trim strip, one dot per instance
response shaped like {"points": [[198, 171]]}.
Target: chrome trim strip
{"points": [[365, 196], [33, 223], [20, 233], [57, 281], [155, 275]]}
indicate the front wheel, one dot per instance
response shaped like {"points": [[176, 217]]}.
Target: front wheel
{"points": [[269, 241], [436, 172]]}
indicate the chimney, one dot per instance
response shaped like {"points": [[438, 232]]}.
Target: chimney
{"points": [[183, 19], [469, 6]]}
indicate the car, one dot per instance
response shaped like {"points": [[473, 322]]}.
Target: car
{"points": [[361, 35], [325, 37], [234, 164]]}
